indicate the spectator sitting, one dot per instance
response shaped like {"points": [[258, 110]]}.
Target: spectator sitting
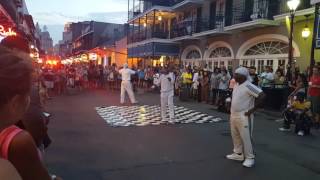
{"points": [[298, 113]]}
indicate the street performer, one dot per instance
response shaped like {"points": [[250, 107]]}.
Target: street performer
{"points": [[246, 98], [167, 80], [126, 85]]}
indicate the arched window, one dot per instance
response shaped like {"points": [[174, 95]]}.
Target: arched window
{"points": [[193, 54], [268, 48], [220, 52]]}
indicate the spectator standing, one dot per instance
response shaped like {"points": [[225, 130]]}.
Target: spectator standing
{"points": [[17, 145], [214, 85], [280, 79], [254, 76], [314, 95], [267, 77], [195, 84], [205, 87]]}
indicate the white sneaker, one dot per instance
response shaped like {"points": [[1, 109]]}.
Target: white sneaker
{"points": [[284, 129], [300, 133], [248, 163], [235, 157]]}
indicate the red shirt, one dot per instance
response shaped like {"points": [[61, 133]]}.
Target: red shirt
{"points": [[315, 80]]}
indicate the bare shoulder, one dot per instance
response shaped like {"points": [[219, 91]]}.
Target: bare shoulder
{"points": [[7, 171]]}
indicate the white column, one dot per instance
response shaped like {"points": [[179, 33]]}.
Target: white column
{"points": [[105, 60]]}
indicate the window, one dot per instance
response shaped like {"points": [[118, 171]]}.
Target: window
{"points": [[270, 63], [268, 48], [281, 62], [229, 64], [216, 64], [220, 52], [210, 65], [221, 63], [260, 66], [193, 54], [252, 62], [245, 63]]}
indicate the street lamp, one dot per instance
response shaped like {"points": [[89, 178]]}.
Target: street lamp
{"points": [[306, 30], [292, 5]]}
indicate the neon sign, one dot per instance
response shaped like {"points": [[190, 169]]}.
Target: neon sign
{"points": [[5, 33]]}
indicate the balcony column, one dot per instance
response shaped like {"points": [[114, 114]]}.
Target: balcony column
{"points": [[139, 29], [153, 23], [146, 28], [133, 2], [169, 28], [132, 32]]}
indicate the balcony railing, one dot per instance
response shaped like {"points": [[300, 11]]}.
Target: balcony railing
{"points": [[183, 28], [144, 35]]}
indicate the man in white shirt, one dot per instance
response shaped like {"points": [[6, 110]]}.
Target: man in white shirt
{"points": [[126, 85], [166, 82], [245, 100]]}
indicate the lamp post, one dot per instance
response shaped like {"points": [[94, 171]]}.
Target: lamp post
{"points": [[292, 5]]}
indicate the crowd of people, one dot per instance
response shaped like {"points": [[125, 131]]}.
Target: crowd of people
{"points": [[26, 87]]}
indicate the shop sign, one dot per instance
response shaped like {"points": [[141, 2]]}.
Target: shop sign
{"points": [[6, 32]]}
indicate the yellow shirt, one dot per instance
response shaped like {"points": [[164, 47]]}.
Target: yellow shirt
{"points": [[301, 106], [186, 78]]}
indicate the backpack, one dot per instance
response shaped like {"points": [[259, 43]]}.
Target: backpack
{"points": [[6, 137]]}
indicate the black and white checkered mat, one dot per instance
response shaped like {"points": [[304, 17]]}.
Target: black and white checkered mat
{"points": [[119, 116]]}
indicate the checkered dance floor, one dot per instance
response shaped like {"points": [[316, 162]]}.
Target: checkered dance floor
{"points": [[122, 116]]}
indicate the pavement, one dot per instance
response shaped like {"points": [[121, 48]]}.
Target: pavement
{"points": [[86, 148]]}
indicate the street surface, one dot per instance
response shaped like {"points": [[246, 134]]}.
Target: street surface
{"points": [[86, 148]]}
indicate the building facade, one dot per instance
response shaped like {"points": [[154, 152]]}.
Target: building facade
{"points": [[215, 33], [46, 41], [91, 34], [15, 20]]}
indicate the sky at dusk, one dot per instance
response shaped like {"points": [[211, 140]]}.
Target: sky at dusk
{"points": [[55, 13]]}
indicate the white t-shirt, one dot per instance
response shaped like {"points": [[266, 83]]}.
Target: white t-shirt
{"points": [[243, 97], [126, 74], [166, 85], [195, 77]]}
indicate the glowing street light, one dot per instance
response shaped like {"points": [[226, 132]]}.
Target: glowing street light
{"points": [[306, 32], [293, 4]]}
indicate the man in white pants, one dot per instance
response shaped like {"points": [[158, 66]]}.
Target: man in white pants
{"points": [[246, 98], [126, 85], [166, 82]]}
